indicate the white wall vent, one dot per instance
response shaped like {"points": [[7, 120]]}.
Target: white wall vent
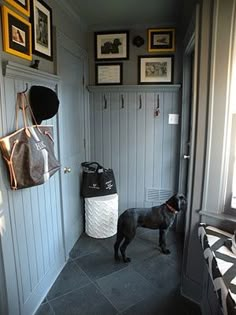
{"points": [[157, 196]]}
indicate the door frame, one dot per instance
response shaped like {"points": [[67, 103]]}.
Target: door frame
{"points": [[76, 50], [190, 83]]}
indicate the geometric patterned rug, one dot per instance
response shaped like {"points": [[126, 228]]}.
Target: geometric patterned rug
{"points": [[221, 263]]}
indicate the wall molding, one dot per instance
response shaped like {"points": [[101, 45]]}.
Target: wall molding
{"points": [[135, 88], [16, 70]]}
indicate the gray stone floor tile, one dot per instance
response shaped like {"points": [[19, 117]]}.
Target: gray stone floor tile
{"points": [[92, 283], [125, 288], [45, 309], [85, 301], [159, 271], [99, 264], [71, 278], [84, 246]]}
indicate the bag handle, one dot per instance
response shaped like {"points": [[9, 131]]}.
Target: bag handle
{"points": [[89, 164], [23, 104]]}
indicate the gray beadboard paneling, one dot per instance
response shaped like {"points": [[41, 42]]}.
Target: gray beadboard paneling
{"points": [[132, 158], [141, 148], [35, 233]]}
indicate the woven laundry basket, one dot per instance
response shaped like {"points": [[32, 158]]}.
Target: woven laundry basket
{"points": [[101, 215]]}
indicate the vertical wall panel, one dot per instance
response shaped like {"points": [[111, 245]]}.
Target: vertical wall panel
{"points": [[158, 144], [151, 103], [106, 134], [115, 136], [143, 149], [93, 100], [123, 150], [132, 156], [140, 149], [35, 232], [98, 141], [167, 146]]}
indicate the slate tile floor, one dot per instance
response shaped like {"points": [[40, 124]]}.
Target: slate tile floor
{"points": [[92, 283]]}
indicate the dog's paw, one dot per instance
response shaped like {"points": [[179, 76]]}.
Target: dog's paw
{"points": [[166, 251], [117, 258], [127, 259]]}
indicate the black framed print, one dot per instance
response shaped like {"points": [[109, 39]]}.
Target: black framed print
{"points": [[155, 69], [161, 40], [109, 73], [111, 45], [42, 29], [16, 34]]}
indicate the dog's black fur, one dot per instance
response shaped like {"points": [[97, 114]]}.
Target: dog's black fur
{"points": [[159, 217]]}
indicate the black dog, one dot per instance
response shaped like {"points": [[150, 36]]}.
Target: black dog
{"points": [[161, 217]]}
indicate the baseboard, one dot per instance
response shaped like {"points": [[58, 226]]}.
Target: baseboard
{"points": [[191, 290]]}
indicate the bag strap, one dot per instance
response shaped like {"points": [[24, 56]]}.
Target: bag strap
{"points": [[13, 179], [23, 105], [89, 165]]}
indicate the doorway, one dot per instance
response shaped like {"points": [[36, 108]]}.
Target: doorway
{"points": [[72, 121]]}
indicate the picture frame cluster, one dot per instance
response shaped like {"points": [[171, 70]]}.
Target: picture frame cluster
{"points": [[152, 69], [32, 33]]}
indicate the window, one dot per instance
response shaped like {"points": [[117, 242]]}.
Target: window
{"points": [[230, 200]]}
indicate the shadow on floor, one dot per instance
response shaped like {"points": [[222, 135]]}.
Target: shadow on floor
{"points": [[93, 283]]}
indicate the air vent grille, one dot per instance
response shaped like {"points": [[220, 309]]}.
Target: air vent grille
{"points": [[157, 196]]}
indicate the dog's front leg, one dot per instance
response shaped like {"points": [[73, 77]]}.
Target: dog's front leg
{"points": [[162, 242]]}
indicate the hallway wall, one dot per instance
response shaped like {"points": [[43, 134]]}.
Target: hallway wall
{"points": [[63, 20]]}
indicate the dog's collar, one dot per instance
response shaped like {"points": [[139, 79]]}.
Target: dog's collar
{"points": [[171, 208]]}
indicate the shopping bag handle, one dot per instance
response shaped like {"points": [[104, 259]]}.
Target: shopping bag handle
{"points": [[89, 164]]}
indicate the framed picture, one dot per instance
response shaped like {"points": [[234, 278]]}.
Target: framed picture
{"points": [[155, 69], [42, 29], [21, 5], [109, 73], [161, 40], [111, 45], [16, 34]]}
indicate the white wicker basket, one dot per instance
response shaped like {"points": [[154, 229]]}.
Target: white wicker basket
{"points": [[101, 215]]}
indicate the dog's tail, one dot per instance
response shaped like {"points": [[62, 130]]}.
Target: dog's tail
{"points": [[120, 228], [119, 238]]}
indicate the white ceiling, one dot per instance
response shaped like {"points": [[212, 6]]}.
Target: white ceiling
{"points": [[98, 14]]}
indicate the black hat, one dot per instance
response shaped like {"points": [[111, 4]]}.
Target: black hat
{"points": [[43, 102]]}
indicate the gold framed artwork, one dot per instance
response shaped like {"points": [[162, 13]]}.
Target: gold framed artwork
{"points": [[16, 34], [161, 40], [21, 5]]}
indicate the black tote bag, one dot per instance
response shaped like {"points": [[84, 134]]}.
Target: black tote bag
{"points": [[97, 180]]}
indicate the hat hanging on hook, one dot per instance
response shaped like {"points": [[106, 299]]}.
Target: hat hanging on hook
{"points": [[43, 102]]}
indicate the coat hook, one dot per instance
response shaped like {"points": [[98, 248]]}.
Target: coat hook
{"points": [[26, 88], [105, 102], [157, 111], [140, 101], [122, 101]]}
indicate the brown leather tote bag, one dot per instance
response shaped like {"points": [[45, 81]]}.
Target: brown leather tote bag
{"points": [[29, 151]]}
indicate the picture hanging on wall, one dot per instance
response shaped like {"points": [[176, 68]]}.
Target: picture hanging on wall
{"points": [[109, 74], [16, 34], [42, 29], [155, 69], [161, 40], [21, 5], [111, 45]]}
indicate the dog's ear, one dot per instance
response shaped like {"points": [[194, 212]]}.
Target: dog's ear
{"points": [[178, 202], [173, 202], [182, 202]]}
